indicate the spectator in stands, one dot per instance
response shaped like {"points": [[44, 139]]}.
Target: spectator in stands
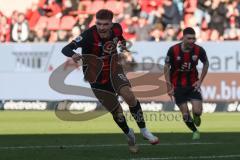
{"points": [[4, 29], [170, 33], [20, 30], [202, 11], [132, 8], [32, 15], [70, 7], [233, 13], [74, 33], [238, 9], [189, 9], [170, 14], [50, 8], [41, 35], [218, 13], [126, 24], [215, 35], [157, 33], [142, 29], [62, 36], [53, 36], [136, 8], [155, 16], [83, 21], [232, 32], [127, 8], [205, 16], [179, 4], [14, 17], [204, 35]]}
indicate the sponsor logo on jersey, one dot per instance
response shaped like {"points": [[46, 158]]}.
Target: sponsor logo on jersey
{"points": [[78, 39]]}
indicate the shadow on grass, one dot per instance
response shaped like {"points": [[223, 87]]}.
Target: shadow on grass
{"points": [[113, 146]]}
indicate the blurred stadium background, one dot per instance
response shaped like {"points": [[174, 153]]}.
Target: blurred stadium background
{"points": [[32, 34]]}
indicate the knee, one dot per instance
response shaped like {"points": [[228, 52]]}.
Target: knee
{"points": [[187, 117], [198, 114], [130, 99], [198, 111]]}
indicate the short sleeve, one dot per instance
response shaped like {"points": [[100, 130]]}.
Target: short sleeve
{"points": [[203, 56], [81, 40], [169, 57], [117, 29]]}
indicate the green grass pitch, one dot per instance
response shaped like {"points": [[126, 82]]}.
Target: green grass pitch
{"points": [[40, 135]]}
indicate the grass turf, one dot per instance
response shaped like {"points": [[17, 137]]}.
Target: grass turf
{"points": [[38, 135]]}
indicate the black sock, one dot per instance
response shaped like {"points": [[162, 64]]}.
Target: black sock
{"points": [[189, 122], [197, 115], [137, 114], [121, 122]]}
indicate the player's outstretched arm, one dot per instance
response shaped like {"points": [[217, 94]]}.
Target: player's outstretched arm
{"points": [[68, 51]]}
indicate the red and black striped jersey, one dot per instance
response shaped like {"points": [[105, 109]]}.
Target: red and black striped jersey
{"points": [[183, 65], [99, 52]]}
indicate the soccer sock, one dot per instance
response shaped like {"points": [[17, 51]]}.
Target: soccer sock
{"points": [[197, 115], [137, 114], [142, 130], [189, 122], [121, 122]]}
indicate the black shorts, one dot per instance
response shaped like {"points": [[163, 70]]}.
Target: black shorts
{"points": [[183, 95], [107, 93]]}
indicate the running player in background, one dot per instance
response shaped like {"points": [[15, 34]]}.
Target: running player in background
{"points": [[182, 78], [103, 71]]}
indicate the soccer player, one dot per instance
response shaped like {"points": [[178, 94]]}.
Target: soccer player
{"points": [[102, 69], [182, 78]]}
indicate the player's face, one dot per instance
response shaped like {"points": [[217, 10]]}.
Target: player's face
{"points": [[103, 25], [189, 40]]}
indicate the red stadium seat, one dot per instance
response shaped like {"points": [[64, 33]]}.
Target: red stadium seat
{"points": [[53, 23], [96, 5], [67, 22], [115, 6], [42, 22], [149, 5], [84, 6]]}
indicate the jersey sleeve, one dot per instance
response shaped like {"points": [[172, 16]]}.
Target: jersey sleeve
{"points": [[169, 57], [117, 29], [203, 56], [120, 32], [81, 40]]}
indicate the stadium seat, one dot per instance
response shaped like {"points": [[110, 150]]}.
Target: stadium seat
{"points": [[42, 21], [53, 23], [84, 6], [96, 5], [147, 5], [7, 7], [67, 22], [115, 6]]}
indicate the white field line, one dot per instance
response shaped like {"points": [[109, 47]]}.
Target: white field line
{"points": [[98, 145], [191, 157]]}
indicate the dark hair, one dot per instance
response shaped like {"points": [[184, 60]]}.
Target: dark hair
{"points": [[188, 30], [104, 14]]}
